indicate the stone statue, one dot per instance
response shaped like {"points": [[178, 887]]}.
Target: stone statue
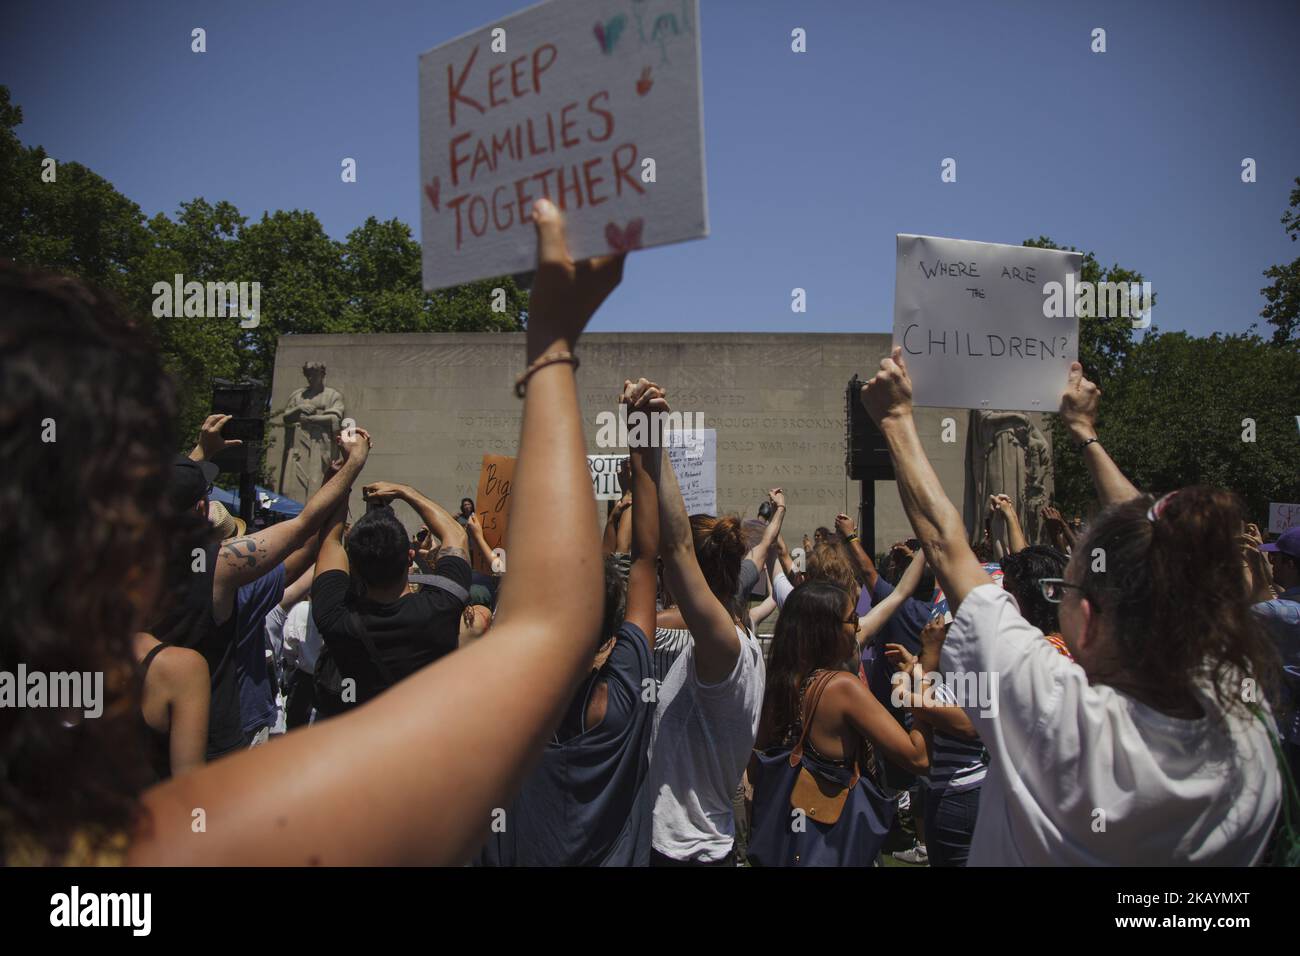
{"points": [[1007, 454], [313, 416]]}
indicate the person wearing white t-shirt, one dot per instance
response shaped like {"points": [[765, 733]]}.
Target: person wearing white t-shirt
{"points": [[1145, 749], [710, 698]]}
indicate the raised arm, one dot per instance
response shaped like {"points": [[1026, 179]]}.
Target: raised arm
{"points": [[642, 578], [301, 586], [210, 442], [247, 558], [763, 610], [480, 541], [454, 540], [888, 399], [845, 526], [1003, 505], [758, 553], [881, 611], [1079, 403], [714, 632], [435, 755]]}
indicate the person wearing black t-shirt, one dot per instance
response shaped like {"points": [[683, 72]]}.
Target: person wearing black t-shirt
{"points": [[203, 618], [375, 629]]}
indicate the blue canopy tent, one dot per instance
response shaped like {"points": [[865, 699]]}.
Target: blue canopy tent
{"points": [[267, 500]]}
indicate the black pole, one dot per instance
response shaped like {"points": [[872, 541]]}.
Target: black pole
{"points": [[246, 493], [867, 516]]}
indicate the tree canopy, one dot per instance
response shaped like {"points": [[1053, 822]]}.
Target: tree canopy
{"points": [[76, 222]]}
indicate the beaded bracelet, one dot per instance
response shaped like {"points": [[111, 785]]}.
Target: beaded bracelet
{"points": [[550, 358]]}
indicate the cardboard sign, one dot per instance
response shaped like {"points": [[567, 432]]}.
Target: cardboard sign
{"points": [[492, 503], [1282, 517], [694, 456], [972, 321], [570, 100], [604, 476]]}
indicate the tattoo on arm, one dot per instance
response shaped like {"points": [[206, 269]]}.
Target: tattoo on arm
{"points": [[243, 552], [451, 552]]}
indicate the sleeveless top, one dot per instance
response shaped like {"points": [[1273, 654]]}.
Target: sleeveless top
{"points": [[158, 743], [790, 736]]}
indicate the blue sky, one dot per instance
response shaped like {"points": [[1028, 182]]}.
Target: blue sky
{"points": [[815, 161]]}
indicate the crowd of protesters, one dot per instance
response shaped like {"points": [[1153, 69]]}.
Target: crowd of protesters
{"points": [[1122, 692]]}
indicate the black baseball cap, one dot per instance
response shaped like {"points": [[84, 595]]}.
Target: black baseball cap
{"points": [[190, 482]]}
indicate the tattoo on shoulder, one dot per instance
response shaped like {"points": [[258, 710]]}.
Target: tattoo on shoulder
{"points": [[453, 553]]}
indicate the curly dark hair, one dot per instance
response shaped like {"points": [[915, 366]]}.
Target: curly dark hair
{"points": [[86, 433], [1176, 597], [1023, 571]]}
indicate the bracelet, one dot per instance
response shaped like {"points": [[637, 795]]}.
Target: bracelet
{"points": [[550, 358], [1084, 444], [851, 538]]}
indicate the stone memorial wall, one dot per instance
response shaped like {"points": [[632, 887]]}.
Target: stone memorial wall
{"points": [[435, 403]]}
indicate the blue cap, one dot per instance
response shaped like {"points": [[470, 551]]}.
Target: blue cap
{"points": [[1288, 543]]}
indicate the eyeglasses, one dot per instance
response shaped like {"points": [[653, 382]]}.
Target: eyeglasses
{"points": [[1054, 588]]}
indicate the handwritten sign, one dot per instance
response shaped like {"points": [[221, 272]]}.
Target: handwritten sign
{"points": [[492, 502], [604, 476], [971, 320], [694, 457], [594, 104], [1282, 517]]}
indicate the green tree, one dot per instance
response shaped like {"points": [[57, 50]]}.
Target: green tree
{"points": [[1180, 412], [309, 283], [78, 223], [1283, 306]]}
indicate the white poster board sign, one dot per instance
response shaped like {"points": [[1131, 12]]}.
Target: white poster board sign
{"points": [[971, 318], [604, 476], [694, 457], [568, 99], [1282, 516]]}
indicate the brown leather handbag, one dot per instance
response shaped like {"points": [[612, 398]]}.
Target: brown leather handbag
{"points": [[820, 799]]}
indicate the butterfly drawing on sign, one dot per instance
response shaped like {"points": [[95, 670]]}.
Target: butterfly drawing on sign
{"points": [[624, 240], [607, 33]]}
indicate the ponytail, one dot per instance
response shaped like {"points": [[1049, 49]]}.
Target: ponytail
{"points": [[720, 549]]}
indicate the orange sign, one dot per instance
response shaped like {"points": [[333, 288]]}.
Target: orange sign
{"points": [[493, 504]]}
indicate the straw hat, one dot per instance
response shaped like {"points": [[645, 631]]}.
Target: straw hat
{"points": [[227, 525]]}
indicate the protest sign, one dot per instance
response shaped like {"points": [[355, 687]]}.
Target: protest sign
{"points": [[1282, 516], [694, 457], [594, 104], [604, 476], [492, 503], [971, 319]]}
